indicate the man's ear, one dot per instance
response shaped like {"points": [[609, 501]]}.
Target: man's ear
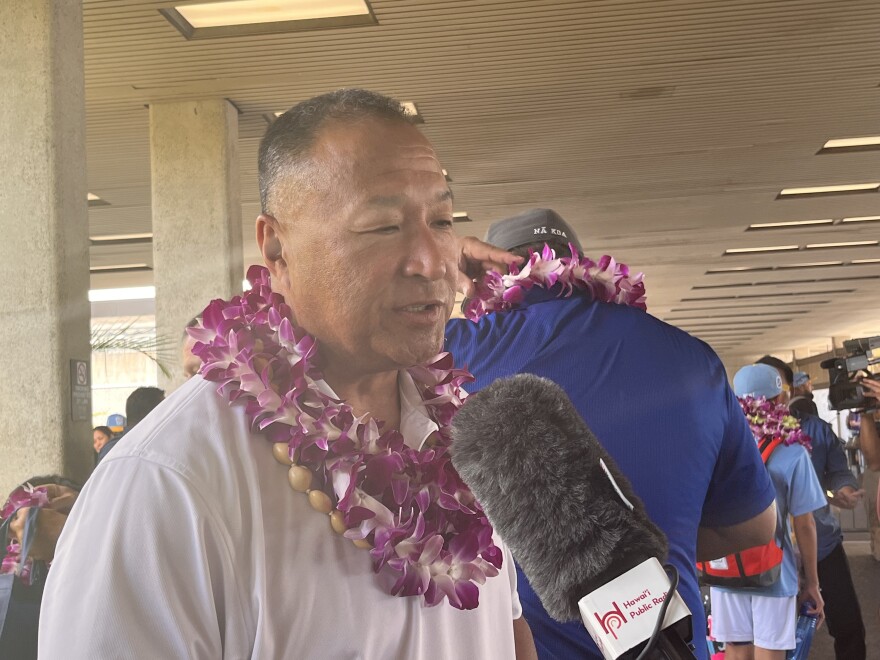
{"points": [[269, 242]]}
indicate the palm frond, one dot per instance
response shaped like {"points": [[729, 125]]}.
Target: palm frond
{"points": [[125, 336]]}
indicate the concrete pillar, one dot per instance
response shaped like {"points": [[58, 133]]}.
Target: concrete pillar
{"points": [[800, 354], [44, 252], [197, 253]]}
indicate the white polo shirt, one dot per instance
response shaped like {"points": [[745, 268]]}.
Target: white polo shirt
{"points": [[187, 542]]}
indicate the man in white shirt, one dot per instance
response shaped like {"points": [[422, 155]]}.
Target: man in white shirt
{"points": [[187, 542]]}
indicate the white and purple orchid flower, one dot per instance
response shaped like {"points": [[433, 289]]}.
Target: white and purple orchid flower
{"points": [[773, 420], [606, 280], [410, 504], [12, 561]]}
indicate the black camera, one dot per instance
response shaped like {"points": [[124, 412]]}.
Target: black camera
{"points": [[844, 394]]}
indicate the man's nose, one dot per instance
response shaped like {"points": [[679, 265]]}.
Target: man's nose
{"points": [[428, 254]]}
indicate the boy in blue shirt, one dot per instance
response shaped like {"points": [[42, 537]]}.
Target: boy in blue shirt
{"points": [[760, 623]]}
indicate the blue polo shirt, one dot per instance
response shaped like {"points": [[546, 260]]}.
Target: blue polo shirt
{"points": [[659, 402], [832, 469]]}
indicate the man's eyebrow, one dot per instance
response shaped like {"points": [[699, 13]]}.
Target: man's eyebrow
{"points": [[397, 200], [446, 196], [388, 200]]}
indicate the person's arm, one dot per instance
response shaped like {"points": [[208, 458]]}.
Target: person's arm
{"points": [[805, 533], [522, 638], [836, 476], [142, 569], [730, 524], [869, 442], [715, 542]]}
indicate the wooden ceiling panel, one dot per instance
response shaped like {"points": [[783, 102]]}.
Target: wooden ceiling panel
{"points": [[661, 130]]}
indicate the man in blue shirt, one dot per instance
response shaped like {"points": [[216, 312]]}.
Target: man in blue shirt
{"points": [[764, 618], [656, 398], [842, 611]]}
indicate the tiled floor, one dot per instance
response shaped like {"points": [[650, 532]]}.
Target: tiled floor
{"points": [[866, 576]]}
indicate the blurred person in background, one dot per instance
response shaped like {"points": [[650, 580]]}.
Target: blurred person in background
{"points": [[101, 435], [191, 364], [828, 457], [869, 443], [30, 523], [759, 623], [802, 394], [139, 404], [116, 424], [869, 426]]}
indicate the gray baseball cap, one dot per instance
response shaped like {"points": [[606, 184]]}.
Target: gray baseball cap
{"points": [[530, 227]]}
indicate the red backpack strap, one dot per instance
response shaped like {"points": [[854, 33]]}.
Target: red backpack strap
{"points": [[767, 447]]}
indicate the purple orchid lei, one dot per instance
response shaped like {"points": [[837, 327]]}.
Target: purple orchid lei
{"points": [[607, 280], [422, 521], [774, 420], [21, 497]]}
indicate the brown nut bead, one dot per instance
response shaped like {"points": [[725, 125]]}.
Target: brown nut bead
{"points": [[320, 501], [281, 452], [300, 478], [337, 521], [364, 544]]}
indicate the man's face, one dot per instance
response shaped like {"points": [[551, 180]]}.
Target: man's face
{"points": [[369, 257]]}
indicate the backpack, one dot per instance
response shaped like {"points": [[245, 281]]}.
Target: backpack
{"points": [[752, 568]]}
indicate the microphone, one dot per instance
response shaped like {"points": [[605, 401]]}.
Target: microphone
{"points": [[570, 517]]}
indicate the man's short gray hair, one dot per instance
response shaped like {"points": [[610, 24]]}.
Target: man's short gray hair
{"points": [[286, 145]]}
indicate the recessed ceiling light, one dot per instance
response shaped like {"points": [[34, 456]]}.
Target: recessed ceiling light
{"points": [[750, 305], [790, 223], [829, 190], [245, 12], [236, 17], [92, 197], [93, 200], [446, 175], [857, 262], [129, 293], [143, 236], [461, 216], [120, 266], [736, 269], [812, 264], [769, 248], [787, 294], [733, 313], [853, 143], [729, 332], [842, 244], [733, 323], [813, 281], [863, 218]]}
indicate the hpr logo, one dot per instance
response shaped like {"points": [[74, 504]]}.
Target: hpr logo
{"points": [[612, 620]]}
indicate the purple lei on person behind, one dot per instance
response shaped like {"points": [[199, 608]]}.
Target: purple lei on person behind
{"points": [[774, 420], [422, 520], [21, 497], [606, 280]]}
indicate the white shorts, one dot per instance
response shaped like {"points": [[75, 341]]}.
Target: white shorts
{"points": [[764, 621]]}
